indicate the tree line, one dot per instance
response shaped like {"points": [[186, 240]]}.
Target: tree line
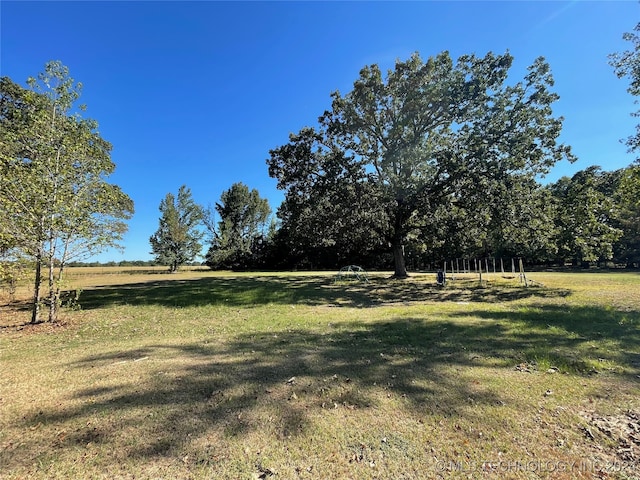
{"points": [[240, 228], [432, 160], [435, 160], [590, 218]]}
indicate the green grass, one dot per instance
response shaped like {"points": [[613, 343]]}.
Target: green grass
{"points": [[214, 375]]}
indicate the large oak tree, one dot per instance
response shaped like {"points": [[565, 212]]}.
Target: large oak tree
{"points": [[427, 138]]}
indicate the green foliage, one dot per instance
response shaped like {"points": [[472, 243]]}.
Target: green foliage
{"points": [[627, 198], [627, 65], [241, 235], [56, 204], [12, 272], [585, 216], [521, 224], [177, 240], [430, 138], [331, 214]]}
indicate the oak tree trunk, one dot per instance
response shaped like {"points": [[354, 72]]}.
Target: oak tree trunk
{"points": [[398, 259]]}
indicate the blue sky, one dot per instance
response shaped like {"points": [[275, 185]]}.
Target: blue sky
{"points": [[197, 93]]}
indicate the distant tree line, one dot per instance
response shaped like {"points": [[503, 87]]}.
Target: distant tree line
{"points": [[121, 263], [436, 160], [590, 218]]}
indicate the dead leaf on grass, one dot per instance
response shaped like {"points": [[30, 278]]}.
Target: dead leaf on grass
{"points": [[524, 367], [263, 472]]}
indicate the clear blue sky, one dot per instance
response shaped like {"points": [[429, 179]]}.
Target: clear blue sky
{"points": [[197, 93]]}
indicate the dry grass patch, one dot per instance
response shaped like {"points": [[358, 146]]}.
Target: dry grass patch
{"points": [[205, 375]]}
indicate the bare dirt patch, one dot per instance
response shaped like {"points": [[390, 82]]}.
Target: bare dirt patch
{"points": [[622, 432]]}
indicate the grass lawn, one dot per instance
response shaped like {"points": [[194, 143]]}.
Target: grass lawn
{"points": [[209, 375]]}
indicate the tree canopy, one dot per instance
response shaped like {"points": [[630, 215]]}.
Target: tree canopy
{"points": [[241, 232], [627, 65], [178, 238], [585, 216], [428, 138], [55, 201]]}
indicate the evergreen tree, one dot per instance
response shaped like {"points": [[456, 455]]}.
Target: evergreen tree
{"points": [[177, 240], [241, 234]]}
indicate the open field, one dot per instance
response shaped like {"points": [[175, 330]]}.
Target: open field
{"points": [[217, 375]]}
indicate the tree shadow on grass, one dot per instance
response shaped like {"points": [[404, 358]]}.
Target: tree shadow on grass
{"points": [[309, 290], [283, 380], [287, 376], [610, 334]]}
